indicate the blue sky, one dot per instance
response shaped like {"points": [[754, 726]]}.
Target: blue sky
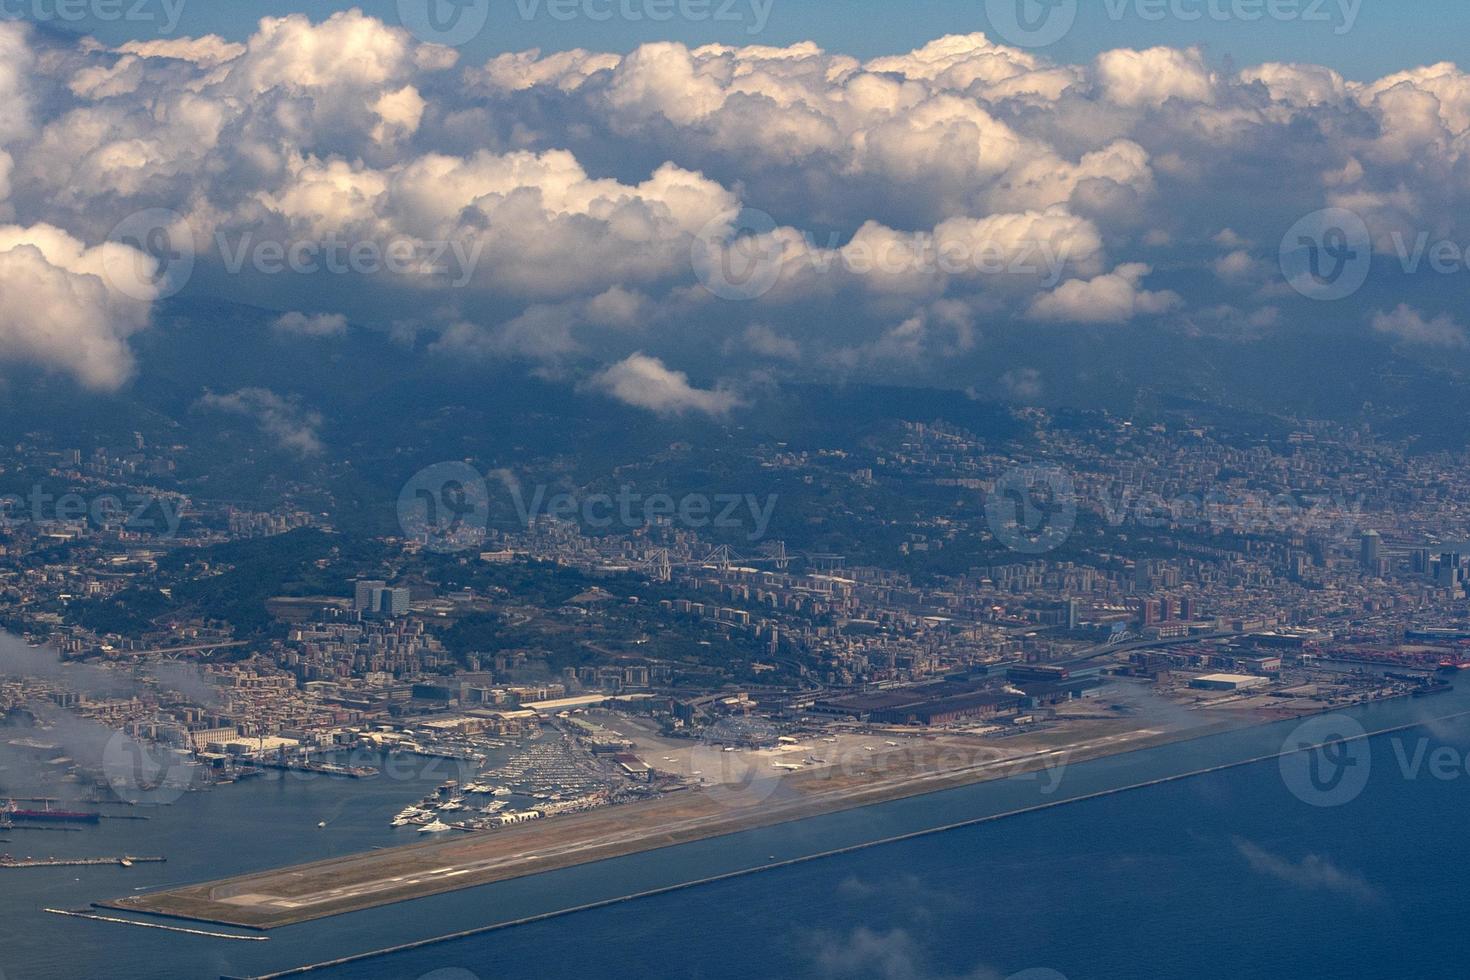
{"points": [[1385, 36]]}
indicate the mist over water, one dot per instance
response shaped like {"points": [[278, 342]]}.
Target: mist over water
{"points": [[28, 770], [20, 659]]}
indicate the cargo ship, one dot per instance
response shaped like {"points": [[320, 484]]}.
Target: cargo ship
{"points": [[48, 815]]}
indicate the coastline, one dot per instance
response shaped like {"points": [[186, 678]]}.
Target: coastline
{"points": [[301, 893], [823, 855]]}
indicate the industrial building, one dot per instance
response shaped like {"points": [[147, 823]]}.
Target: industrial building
{"points": [[950, 702], [1228, 682]]}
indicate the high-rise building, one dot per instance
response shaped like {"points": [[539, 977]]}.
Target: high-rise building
{"points": [[391, 602], [364, 596], [373, 597], [1370, 550], [1447, 572]]}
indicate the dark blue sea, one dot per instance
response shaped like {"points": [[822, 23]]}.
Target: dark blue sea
{"points": [[1355, 866]]}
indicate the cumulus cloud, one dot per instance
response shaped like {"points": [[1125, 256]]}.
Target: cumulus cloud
{"points": [[566, 70], [17, 62], [546, 332], [1237, 265], [548, 203], [537, 224], [762, 341], [1152, 77], [1112, 298], [1409, 325], [292, 427], [644, 382], [315, 325], [1298, 85], [70, 307], [932, 117], [207, 51], [543, 333]]}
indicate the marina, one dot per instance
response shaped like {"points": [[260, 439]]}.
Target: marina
{"points": [[542, 777]]}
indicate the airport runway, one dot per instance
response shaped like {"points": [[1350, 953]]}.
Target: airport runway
{"points": [[297, 894]]}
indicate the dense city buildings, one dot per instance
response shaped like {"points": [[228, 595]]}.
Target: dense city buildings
{"points": [[1183, 549]]}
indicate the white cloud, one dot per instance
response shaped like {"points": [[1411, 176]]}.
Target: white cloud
{"points": [[618, 307], [1408, 324], [537, 224], [546, 332], [644, 382], [762, 341], [1299, 85], [17, 63], [1236, 266], [400, 113], [70, 307], [315, 325], [567, 70], [1312, 873], [208, 51], [542, 333], [347, 129], [285, 421], [1111, 298], [348, 50], [1153, 76]]}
